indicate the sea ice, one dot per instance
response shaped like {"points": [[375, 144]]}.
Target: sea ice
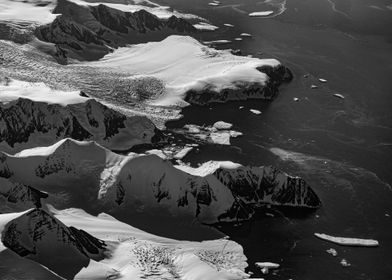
{"points": [[222, 125]]}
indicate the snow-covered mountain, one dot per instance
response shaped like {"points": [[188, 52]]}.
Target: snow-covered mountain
{"points": [[72, 244], [85, 174], [32, 114], [39, 236]]}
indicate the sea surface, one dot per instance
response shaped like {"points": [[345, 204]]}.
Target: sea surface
{"points": [[342, 147]]}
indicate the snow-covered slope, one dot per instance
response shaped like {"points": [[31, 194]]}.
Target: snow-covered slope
{"points": [[39, 236], [84, 174], [34, 115], [76, 245], [195, 73]]}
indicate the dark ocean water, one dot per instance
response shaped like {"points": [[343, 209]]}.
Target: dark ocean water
{"points": [[342, 147]]}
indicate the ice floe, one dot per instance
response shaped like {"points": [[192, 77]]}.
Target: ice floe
{"points": [[332, 252], [219, 134], [261, 14], [348, 241], [266, 266], [222, 125], [205, 26], [254, 111], [338, 95]]}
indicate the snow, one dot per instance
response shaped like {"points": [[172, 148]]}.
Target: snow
{"points": [[162, 12], [208, 167], [254, 111], [27, 11], [182, 153], [158, 153], [13, 89], [205, 26], [348, 241], [184, 64], [42, 151], [222, 125], [261, 14]]}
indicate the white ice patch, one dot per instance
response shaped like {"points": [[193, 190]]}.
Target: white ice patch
{"points": [[12, 90]]}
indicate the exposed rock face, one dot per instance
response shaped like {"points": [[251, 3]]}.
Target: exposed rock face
{"points": [[37, 235], [25, 123], [277, 76], [89, 32]]}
